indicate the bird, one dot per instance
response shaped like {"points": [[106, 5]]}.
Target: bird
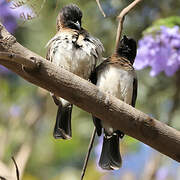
{"points": [[115, 76], [75, 50]]}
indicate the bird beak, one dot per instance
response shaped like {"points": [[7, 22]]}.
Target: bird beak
{"points": [[78, 25]]}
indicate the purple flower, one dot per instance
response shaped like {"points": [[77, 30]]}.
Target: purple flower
{"points": [[169, 171], [15, 111], [107, 176], [3, 70], [98, 149], [162, 173], [161, 51], [10, 15]]}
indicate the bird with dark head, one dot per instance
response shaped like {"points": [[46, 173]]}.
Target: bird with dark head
{"points": [[127, 48], [69, 17], [116, 76], [75, 50]]}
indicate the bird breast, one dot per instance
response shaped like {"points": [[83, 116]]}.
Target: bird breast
{"points": [[73, 53], [117, 82]]}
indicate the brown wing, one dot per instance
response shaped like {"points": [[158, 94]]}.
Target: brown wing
{"points": [[121, 62]]}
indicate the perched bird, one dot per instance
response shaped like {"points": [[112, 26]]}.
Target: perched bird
{"points": [[117, 77], [75, 50]]}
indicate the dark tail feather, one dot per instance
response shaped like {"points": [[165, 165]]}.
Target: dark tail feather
{"points": [[62, 129], [97, 123], [110, 156]]}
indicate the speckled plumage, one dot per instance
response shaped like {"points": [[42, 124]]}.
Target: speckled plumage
{"points": [[115, 76], [75, 50]]}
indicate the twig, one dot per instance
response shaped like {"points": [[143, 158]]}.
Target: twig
{"points": [[121, 17], [100, 8], [88, 153], [42, 5], [17, 171], [57, 3]]}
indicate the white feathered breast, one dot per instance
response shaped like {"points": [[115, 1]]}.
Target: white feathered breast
{"points": [[74, 53], [117, 82]]}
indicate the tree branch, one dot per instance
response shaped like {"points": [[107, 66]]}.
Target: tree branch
{"points": [[121, 17], [31, 65], [87, 96], [17, 170], [88, 153], [100, 8]]}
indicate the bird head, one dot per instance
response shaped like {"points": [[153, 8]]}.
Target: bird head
{"points": [[127, 48], [69, 17]]}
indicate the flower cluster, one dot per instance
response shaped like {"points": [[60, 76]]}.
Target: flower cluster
{"points": [[3, 70], [161, 51], [10, 14]]}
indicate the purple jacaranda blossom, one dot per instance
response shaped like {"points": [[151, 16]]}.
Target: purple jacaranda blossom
{"points": [[15, 111], [9, 14], [107, 176], [3, 70], [168, 171], [162, 173], [160, 51], [135, 161], [98, 149]]}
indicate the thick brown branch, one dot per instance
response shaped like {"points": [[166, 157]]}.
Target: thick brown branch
{"points": [[121, 17], [88, 97], [19, 60]]}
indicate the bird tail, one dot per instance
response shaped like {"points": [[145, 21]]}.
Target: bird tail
{"points": [[62, 129], [97, 123], [110, 158]]}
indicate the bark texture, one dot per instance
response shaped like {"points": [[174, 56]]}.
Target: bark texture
{"points": [[85, 95]]}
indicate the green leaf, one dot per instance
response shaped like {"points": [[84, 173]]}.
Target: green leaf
{"points": [[168, 22]]}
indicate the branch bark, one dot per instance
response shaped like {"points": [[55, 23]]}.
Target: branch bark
{"points": [[88, 97]]}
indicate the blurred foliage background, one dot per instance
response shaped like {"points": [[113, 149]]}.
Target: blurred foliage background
{"points": [[27, 113]]}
